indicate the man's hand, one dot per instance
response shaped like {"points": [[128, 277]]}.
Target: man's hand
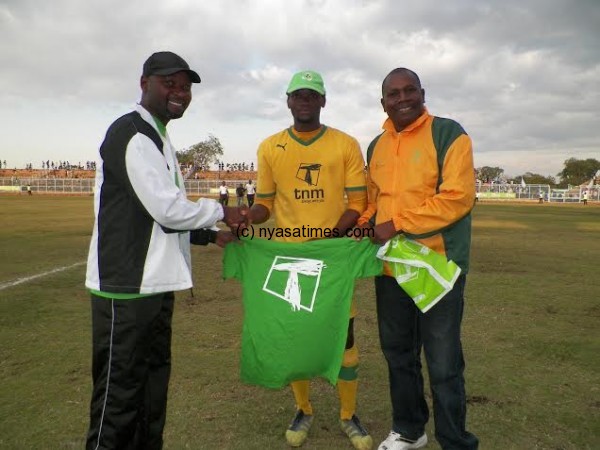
{"points": [[258, 214], [361, 231], [235, 217], [224, 238], [345, 223], [205, 236], [383, 232]]}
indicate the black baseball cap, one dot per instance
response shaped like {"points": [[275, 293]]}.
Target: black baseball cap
{"points": [[168, 63]]}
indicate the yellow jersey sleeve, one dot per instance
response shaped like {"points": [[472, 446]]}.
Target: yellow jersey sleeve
{"points": [[265, 184], [355, 167], [355, 184]]}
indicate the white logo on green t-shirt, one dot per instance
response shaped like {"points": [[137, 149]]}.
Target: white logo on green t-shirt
{"points": [[290, 278]]}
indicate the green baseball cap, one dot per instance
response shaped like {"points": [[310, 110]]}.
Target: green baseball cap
{"points": [[307, 79]]}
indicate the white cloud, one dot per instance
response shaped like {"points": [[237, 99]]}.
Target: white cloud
{"points": [[521, 77]]}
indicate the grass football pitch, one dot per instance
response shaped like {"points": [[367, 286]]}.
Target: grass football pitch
{"points": [[530, 334]]}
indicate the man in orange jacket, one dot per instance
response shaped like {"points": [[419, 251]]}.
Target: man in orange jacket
{"points": [[421, 183]]}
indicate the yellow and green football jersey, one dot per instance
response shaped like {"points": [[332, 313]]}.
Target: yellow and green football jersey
{"points": [[305, 181]]}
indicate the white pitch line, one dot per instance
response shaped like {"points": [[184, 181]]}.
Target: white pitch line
{"points": [[39, 275]]}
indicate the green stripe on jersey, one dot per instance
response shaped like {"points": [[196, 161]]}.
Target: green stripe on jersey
{"points": [[356, 188], [119, 296], [161, 126], [310, 141]]}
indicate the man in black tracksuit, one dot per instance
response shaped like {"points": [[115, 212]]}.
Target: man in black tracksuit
{"points": [[139, 255]]}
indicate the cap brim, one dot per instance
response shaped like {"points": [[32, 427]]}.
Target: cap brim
{"points": [[304, 86], [194, 77]]}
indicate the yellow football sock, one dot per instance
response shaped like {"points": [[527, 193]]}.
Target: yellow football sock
{"points": [[348, 383], [301, 391]]}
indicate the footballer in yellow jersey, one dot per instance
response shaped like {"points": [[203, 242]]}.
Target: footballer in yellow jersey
{"points": [[304, 174]]}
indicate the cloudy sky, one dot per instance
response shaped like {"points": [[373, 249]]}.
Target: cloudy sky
{"points": [[521, 76]]}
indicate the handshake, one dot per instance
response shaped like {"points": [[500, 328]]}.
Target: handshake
{"points": [[233, 217], [236, 217]]}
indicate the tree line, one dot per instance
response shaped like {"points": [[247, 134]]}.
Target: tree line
{"points": [[575, 172]]}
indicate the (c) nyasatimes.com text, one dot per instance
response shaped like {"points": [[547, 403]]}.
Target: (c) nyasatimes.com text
{"points": [[303, 232]]}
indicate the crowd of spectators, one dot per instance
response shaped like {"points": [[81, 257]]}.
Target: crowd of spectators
{"points": [[66, 169], [235, 167], [189, 170], [185, 168], [60, 165], [66, 165]]}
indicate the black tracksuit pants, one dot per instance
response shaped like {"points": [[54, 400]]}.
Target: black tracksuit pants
{"points": [[131, 366]]}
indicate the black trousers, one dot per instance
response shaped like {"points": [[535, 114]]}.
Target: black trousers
{"points": [[131, 366], [403, 332]]}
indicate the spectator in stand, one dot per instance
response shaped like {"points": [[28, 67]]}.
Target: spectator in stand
{"points": [[250, 191]]}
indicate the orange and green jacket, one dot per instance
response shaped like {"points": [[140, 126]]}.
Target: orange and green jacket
{"points": [[422, 179]]}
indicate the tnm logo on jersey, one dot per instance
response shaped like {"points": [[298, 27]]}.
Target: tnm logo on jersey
{"points": [[309, 173]]}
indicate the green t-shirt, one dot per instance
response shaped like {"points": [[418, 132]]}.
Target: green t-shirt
{"points": [[297, 299]]}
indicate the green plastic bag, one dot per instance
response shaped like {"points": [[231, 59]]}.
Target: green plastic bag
{"points": [[426, 276]]}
